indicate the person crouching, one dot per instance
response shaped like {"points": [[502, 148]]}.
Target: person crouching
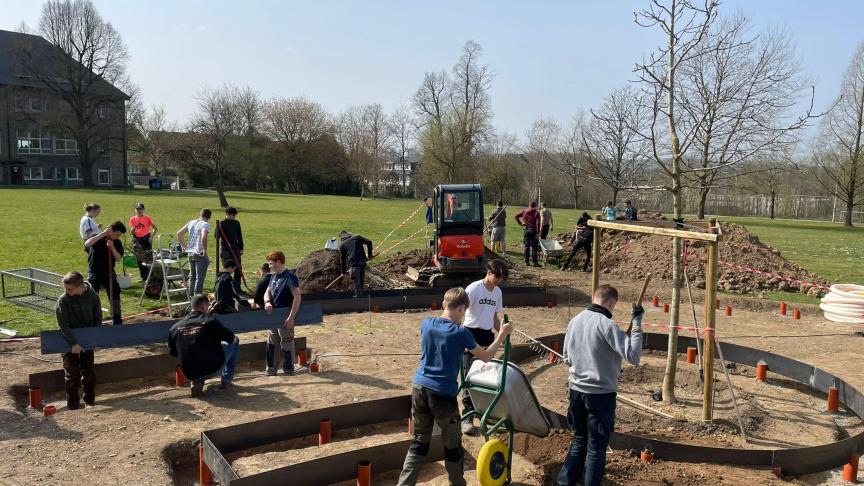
{"points": [[205, 347]]}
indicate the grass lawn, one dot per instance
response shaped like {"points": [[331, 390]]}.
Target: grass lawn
{"points": [[42, 232]]}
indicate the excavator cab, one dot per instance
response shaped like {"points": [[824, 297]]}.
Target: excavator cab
{"points": [[458, 238]]}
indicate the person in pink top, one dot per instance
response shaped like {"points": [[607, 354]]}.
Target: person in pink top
{"points": [[530, 219], [142, 234]]}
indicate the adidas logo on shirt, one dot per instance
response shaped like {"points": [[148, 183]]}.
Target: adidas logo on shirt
{"points": [[485, 301]]}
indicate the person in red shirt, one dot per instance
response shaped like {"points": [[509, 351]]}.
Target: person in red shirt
{"points": [[530, 219], [142, 234]]}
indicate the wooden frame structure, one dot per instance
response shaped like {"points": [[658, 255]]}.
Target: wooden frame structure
{"points": [[711, 235]]}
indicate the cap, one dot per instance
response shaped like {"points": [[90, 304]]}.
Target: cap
{"points": [[139, 206]]}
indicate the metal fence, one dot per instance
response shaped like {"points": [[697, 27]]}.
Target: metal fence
{"points": [[168, 182], [786, 206], [31, 287]]}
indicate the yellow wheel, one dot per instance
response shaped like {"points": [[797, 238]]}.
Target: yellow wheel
{"points": [[492, 463]]}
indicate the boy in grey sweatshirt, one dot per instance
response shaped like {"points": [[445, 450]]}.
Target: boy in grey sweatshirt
{"points": [[594, 347], [78, 307]]}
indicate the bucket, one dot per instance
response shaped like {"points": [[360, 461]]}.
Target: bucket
{"points": [[129, 261], [125, 281]]}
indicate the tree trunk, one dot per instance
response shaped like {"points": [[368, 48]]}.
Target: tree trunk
{"points": [[771, 204], [614, 196], [703, 197], [220, 188], [86, 173], [850, 206]]}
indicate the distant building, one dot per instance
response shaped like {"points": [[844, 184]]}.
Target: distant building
{"points": [[397, 176], [35, 144]]}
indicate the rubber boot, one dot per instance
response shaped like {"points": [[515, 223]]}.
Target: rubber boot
{"points": [[116, 318], [271, 360]]}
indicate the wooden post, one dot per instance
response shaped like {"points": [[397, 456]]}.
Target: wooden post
{"points": [[595, 258], [710, 321]]}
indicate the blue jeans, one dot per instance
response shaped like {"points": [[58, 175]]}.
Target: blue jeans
{"points": [[197, 273], [232, 352], [592, 420]]}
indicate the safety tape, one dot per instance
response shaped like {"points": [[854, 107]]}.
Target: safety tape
{"points": [[400, 242], [696, 330], [403, 223], [744, 268]]}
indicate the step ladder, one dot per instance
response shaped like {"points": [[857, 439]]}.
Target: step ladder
{"points": [[174, 265]]}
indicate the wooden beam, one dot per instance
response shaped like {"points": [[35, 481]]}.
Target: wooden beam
{"points": [[653, 230], [595, 257], [710, 322]]}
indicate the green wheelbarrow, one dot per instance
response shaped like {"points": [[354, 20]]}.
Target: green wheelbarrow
{"points": [[504, 401]]}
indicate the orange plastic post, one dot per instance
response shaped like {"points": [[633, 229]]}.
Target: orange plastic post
{"points": [[35, 397], [849, 473], [728, 310], [782, 308], [796, 314], [179, 377], [853, 461], [833, 399], [364, 473], [550, 304], [376, 309], [691, 355], [205, 477], [761, 371], [301, 357], [410, 426], [777, 471], [49, 410], [313, 367], [665, 308], [655, 301], [718, 304], [324, 432], [434, 306], [646, 456]]}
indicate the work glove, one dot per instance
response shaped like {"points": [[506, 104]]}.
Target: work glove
{"points": [[636, 315]]}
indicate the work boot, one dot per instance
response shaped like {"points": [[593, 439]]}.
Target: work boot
{"points": [[270, 370], [468, 426], [287, 363], [197, 388]]}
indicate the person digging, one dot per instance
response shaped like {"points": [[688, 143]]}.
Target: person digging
{"points": [[205, 347], [283, 291], [353, 259], [103, 251], [226, 298], [593, 349], [584, 241], [78, 307], [434, 387], [229, 238]]}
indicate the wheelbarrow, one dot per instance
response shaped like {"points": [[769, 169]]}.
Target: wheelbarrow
{"points": [[503, 400]]}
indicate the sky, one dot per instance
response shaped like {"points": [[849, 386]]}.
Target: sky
{"points": [[550, 58]]}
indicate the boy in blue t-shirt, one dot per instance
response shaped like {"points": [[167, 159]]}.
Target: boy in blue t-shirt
{"points": [[433, 395]]}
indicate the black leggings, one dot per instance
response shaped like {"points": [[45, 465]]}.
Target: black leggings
{"points": [[580, 244]]}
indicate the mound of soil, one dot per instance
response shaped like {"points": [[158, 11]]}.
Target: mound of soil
{"points": [[396, 265], [633, 255], [322, 267]]}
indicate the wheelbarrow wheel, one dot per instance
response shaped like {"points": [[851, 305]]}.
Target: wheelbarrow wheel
{"points": [[153, 290], [492, 463]]}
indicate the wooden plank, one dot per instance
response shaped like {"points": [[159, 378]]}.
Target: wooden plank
{"points": [[156, 332], [595, 257], [652, 230], [710, 321]]}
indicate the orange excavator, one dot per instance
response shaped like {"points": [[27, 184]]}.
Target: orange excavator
{"points": [[457, 242]]}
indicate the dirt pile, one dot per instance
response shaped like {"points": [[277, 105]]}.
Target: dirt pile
{"points": [[396, 265], [634, 255], [322, 267]]}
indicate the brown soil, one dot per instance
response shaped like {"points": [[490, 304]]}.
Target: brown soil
{"points": [[395, 265], [146, 431], [633, 255], [321, 267]]}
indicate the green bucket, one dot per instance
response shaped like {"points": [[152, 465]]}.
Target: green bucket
{"points": [[129, 261]]}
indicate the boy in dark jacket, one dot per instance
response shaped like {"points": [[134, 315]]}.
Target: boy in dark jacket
{"points": [[353, 259], [584, 240], [103, 251], [229, 236], [225, 293], [205, 347], [78, 307], [530, 219], [261, 288]]}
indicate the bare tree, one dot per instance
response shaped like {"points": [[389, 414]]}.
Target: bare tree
{"points": [[403, 128], [219, 116], [501, 165], [153, 144], [378, 137], [454, 112], [251, 109], [85, 56], [839, 153], [616, 152], [766, 175], [571, 160], [684, 24], [364, 133], [295, 120], [543, 141], [737, 94]]}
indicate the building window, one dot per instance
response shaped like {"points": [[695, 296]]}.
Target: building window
{"points": [[72, 174], [103, 111], [33, 143], [20, 104], [35, 105], [57, 172], [32, 173], [104, 176], [66, 146]]}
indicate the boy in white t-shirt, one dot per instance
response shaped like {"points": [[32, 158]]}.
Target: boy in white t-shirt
{"points": [[483, 315]]}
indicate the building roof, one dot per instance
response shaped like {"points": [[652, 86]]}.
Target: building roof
{"points": [[13, 45]]}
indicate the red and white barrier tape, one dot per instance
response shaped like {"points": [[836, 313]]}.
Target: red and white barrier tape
{"points": [[403, 240], [744, 268], [403, 223]]}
